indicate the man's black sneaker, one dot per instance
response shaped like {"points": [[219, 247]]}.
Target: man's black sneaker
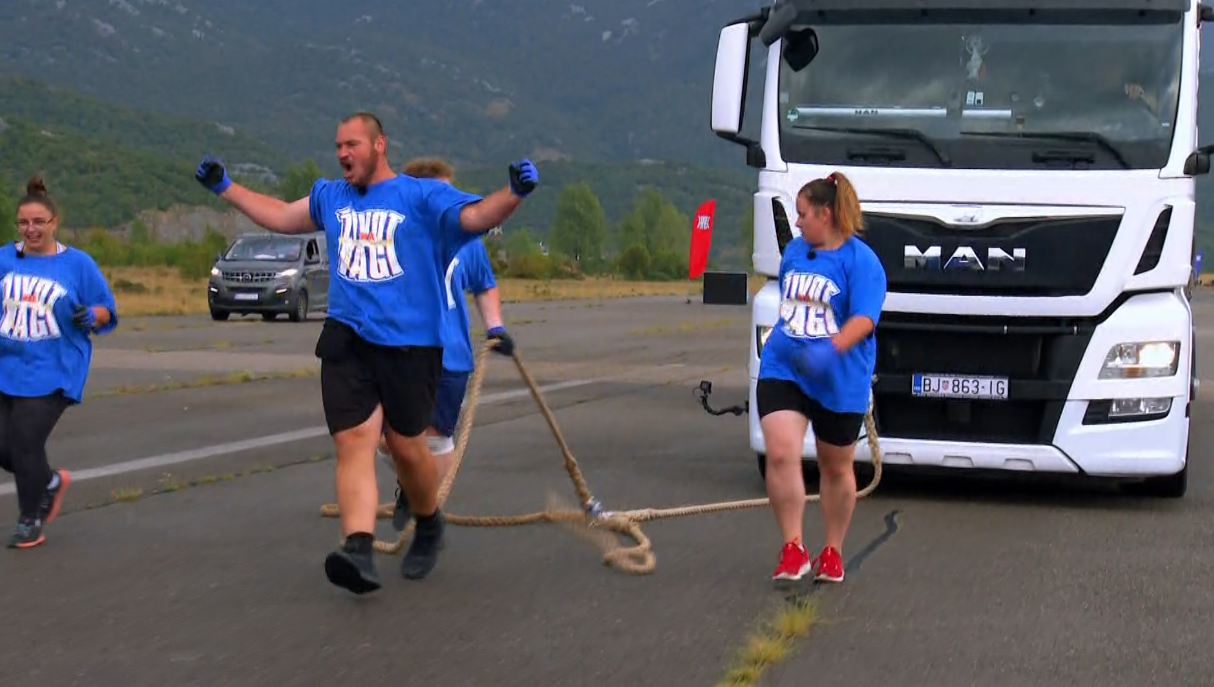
{"points": [[400, 512], [352, 567], [422, 555], [27, 534]]}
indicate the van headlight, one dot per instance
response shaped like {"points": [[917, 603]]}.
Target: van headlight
{"points": [[1141, 359], [289, 272], [761, 334], [214, 271]]}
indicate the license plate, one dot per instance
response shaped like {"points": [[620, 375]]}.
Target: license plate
{"points": [[959, 386], [245, 296]]}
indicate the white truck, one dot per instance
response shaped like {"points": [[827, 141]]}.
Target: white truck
{"points": [[1026, 170]]}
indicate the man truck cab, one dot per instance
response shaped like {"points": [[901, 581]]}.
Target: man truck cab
{"points": [[1026, 170]]}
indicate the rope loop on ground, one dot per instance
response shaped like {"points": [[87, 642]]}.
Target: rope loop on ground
{"points": [[603, 529]]}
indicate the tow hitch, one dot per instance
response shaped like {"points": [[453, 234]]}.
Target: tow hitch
{"points": [[706, 389]]}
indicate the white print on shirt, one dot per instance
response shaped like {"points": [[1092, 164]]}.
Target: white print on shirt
{"points": [[29, 304], [450, 275], [366, 245], [805, 305]]}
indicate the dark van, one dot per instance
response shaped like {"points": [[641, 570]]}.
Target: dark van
{"points": [[270, 274]]}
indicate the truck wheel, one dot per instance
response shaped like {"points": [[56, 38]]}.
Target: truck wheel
{"points": [[1167, 487]]}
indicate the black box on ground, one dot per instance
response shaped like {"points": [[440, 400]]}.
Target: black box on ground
{"points": [[726, 288]]}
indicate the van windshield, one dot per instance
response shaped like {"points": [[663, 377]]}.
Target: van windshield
{"points": [[993, 95], [265, 248]]}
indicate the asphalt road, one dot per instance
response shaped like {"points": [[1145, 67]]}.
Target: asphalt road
{"points": [[221, 583]]}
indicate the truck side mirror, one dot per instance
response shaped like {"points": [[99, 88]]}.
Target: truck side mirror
{"points": [[729, 88], [729, 79], [800, 48], [1198, 161]]}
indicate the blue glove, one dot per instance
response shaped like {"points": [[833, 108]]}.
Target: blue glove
{"points": [[212, 174], [818, 357], [505, 344], [523, 177], [84, 318]]}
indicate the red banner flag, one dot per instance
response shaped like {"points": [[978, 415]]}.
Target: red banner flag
{"points": [[701, 239]]}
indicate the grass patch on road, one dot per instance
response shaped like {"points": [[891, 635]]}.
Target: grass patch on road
{"points": [[241, 377], [770, 643], [161, 291]]}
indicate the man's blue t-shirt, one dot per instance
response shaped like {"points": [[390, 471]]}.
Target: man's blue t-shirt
{"points": [[41, 350], [470, 270], [388, 248], [817, 296]]}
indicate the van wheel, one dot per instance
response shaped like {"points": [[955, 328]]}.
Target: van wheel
{"points": [[220, 315], [300, 313]]}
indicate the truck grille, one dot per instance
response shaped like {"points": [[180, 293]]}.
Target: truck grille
{"points": [[248, 277], [1039, 356], [1062, 256]]}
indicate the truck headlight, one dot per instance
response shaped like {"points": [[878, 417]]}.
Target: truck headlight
{"points": [[1141, 359], [761, 334]]}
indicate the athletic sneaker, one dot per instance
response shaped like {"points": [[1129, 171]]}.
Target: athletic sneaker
{"points": [[794, 562], [27, 534], [830, 565], [422, 555], [351, 567], [400, 512], [52, 500]]}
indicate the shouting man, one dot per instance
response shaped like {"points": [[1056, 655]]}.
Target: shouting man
{"points": [[391, 237]]}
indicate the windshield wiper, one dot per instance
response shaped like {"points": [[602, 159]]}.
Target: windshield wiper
{"points": [[905, 134], [1080, 136]]}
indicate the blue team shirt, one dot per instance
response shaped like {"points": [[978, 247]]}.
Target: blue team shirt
{"points": [[41, 350], [388, 248], [850, 281], [470, 270]]}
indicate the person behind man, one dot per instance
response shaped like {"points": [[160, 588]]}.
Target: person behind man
{"points": [[53, 298], [470, 270], [391, 237]]}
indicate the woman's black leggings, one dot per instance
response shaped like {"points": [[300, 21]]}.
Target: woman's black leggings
{"points": [[25, 425]]}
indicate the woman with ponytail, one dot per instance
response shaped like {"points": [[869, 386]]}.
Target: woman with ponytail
{"points": [[53, 299], [816, 369]]}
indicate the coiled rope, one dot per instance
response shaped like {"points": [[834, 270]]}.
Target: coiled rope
{"points": [[599, 527]]}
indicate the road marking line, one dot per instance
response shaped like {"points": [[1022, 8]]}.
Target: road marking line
{"points": [[167, 459]]}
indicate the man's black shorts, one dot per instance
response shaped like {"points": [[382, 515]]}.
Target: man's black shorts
{"points": [[356, 375], [836, 429]]}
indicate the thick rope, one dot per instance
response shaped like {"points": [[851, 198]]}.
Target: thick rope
{"points": [[598, 527]]}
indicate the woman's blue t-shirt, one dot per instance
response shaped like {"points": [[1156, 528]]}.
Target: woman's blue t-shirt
{"points": [[818, 296], [41, 350]]}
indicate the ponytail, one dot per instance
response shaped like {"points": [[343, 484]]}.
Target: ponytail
{"points": [[836, 192]]}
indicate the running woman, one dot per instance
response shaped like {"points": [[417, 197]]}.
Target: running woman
{"points": [[54, 299], [392, 237], [471, 270], [816, 369]]}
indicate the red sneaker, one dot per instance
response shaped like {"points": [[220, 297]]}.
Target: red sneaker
{"points": [[794, 562], [830, 565]]}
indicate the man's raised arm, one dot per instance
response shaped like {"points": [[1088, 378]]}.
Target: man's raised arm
{"points": [[497, 207], [267, 212]]}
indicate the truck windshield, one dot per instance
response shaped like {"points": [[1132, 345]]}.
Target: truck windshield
{"points": [[265, 248], [985, 96]]}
